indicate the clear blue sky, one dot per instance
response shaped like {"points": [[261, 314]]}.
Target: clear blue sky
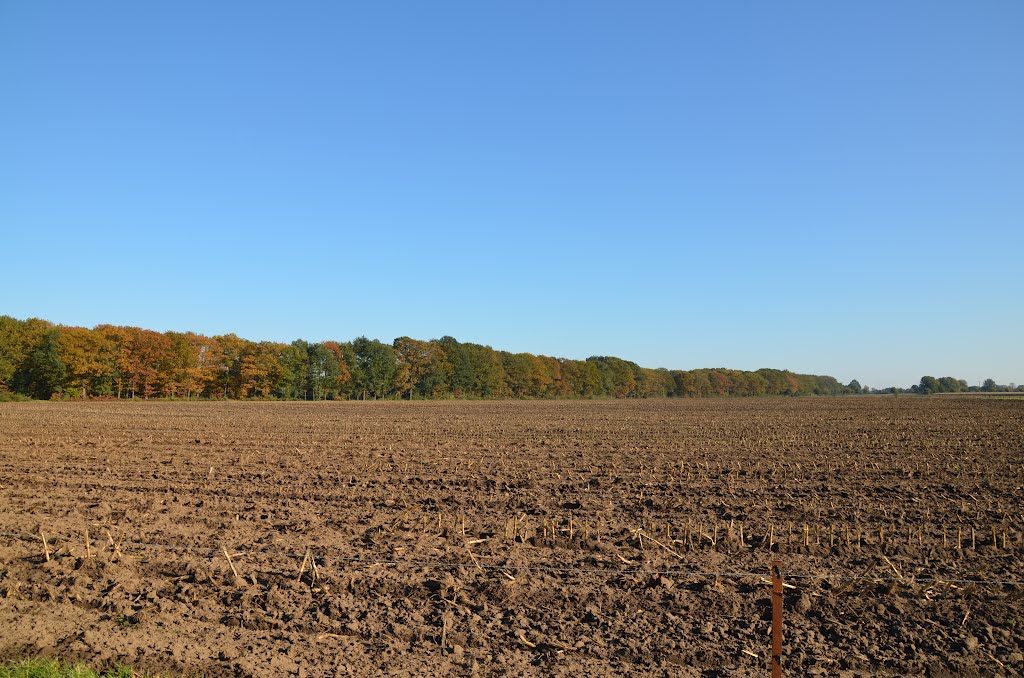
{"points": [[835, 188]]}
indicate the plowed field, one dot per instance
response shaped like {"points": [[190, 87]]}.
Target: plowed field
{"points": [[531, 538]]}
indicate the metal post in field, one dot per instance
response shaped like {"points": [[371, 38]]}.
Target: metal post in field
{"points": [[776, 619]]}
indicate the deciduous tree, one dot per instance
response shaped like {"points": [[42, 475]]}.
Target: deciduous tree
{"points": [[42, 374]]}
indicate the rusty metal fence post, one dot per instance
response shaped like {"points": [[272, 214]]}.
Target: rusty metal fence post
{"points": [[776, 619]]}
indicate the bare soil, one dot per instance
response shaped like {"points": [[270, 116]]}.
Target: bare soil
{"points": [[524, 538]]}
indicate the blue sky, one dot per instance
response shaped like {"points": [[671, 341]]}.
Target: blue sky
{"points": [[835, 188]]}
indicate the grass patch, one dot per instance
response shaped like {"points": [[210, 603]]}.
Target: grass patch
{"points": [[52, 668]]}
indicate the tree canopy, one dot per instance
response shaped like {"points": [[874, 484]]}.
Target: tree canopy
{"points": [[43, 360]]}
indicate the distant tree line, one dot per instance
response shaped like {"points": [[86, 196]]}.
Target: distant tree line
{"points": [[42, 360], [931, 385]]}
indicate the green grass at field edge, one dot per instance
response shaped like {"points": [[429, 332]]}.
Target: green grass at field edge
{"points": [[53, 668]]}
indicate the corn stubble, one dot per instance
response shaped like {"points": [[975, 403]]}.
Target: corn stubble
{"points": [[495, 533]]}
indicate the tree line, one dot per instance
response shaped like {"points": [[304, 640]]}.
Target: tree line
{"points": [[41, 360], [929, 385]]}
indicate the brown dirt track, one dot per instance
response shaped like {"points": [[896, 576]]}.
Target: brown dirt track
{"points": [[441, 535]]}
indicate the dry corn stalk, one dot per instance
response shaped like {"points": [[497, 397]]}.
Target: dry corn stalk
{"points": [[238, 578]]}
